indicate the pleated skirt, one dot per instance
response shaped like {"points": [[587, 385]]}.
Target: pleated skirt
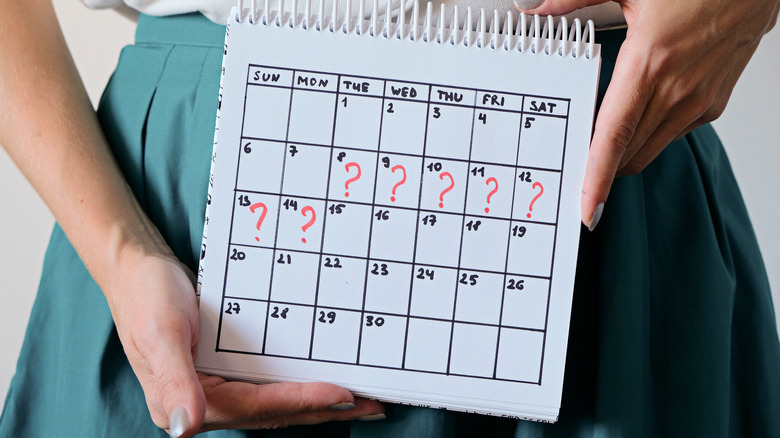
{"points": [[672, 334]]}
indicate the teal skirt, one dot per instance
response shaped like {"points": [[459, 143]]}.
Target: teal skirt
{"points": [[672, 334]]}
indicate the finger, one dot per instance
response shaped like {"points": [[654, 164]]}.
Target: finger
{"points": [[675, 104], [624, 102], [699, 108], [667, 131], [237, 403], [554, 7], [159, 341], [364, 408], [172, 382]]}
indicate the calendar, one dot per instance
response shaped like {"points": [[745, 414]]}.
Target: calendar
{"points": [[396, 216]]}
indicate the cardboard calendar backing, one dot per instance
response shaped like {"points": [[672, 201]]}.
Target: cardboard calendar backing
{"points": [[397, 217]]}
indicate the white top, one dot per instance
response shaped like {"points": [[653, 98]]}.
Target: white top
{"points": [[606, 14]]}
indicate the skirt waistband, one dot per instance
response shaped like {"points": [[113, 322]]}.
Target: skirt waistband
{"points": [[186, 29]]}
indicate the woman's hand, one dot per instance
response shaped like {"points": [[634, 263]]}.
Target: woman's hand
{"points": [[53, 135], [154, 306], [674, 72]]}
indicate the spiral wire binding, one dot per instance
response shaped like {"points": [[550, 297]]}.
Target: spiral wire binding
{"points": [[532, 33]]}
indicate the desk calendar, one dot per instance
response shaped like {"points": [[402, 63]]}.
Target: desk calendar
{"points": [[398, 213]]}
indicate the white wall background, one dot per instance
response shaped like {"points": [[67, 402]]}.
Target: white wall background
{"points": [[748, 128]]}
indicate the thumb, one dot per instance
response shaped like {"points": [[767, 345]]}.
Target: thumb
{"points": [[183, 400], [553, 7], [160, 337]]}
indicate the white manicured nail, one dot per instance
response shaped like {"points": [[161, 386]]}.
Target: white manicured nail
{"points": [[525, 5], [179, 422], [596, 217]]}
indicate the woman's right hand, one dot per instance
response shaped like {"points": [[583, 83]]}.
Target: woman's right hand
{"points": [[53, 135], [155, 310]]}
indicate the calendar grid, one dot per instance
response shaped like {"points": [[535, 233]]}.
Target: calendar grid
{"points": [[504, 306]]}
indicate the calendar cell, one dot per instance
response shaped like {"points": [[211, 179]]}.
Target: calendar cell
{"points": [[449, 131], [438, 239], [519, 355], [453, 96], [525, 302], [427, 345], [403, 126], [360, 86], [301, 228], [444, 185], [398, 181], [336, 335], [479, 297], [363, 111], [387, 289], [289, 330], [309, 122], [260, 166], [275, 77], [315, 81], [305, 164], [490, 190], [541, 142], [352, 176], [530, 249], [503, 101], [536, 195], [342, 280], [243, 325], [484, 244], [249, 272], [495, 137], [433, 292], [254, 219], [473, 350], [547, 106], [347, 229], [382, 340], [392, 233], [410, 91], [265, 115], [294, 277]]}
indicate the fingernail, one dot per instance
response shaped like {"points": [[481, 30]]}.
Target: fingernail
{"points": [[596, 217], [373, 417], [179, 422], [525, 5], [342, 406]]}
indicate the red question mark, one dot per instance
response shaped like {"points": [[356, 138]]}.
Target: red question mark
{"points": [[254, 207], [451, 186], [353, 179], [531, 207], [311, 221], [403, 180], [492, 192]]}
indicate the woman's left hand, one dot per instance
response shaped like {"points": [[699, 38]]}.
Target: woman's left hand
{"points": [[674, 72]]}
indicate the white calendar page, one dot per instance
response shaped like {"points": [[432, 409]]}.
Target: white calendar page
{"points": [[397, 217]]}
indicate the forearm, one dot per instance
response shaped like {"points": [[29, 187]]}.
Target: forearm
{"points": [[50, 130]]}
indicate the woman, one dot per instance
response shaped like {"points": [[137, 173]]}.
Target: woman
{"points": [[672, 331]]}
